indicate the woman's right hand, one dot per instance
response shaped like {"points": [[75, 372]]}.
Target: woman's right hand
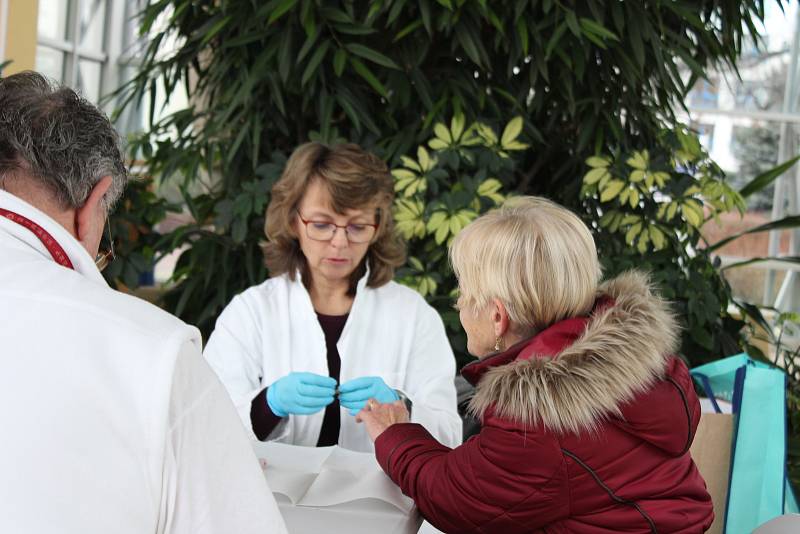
{"points": [[300, 394], [378, 417]]}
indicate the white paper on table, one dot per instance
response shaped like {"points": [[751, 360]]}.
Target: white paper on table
{"points": [[327, 476]]}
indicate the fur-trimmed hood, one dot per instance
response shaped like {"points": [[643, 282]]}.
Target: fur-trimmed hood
{"points": [[624, 348]]}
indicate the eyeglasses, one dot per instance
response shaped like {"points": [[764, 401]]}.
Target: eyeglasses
{"points": [[106, 255], [324, 230]]}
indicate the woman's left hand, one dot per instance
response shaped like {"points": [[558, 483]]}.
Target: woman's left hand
{"points": [[378, 417]]}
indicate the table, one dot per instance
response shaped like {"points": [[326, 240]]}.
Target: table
{"points": [[334, 490]]}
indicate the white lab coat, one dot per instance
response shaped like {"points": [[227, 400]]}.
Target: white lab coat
{"points": [[111, 420], [272, 329]]}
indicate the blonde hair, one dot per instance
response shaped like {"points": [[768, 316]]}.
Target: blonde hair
{"points": [[536, 257], [355, 179]]}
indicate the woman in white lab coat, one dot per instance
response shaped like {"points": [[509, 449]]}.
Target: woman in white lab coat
{"points": [[302, 352]]}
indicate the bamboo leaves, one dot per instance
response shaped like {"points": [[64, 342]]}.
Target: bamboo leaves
{"points": [[596, 32], [371, 55], [339, 60], [314, 62], [763, 180], [369, 77], [280, 8]]}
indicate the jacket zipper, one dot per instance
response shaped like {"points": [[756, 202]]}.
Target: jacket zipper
{"points": [[611, 493]]}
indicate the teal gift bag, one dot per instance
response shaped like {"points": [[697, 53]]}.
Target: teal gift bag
{"points": [[758, 489]]}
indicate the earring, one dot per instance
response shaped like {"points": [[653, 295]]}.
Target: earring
{"points": [[498, 343]]}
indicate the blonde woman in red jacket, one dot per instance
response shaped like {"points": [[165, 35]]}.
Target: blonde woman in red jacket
{"points": [[587, 416]]}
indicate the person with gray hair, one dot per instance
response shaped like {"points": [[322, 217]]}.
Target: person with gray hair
{"points": [[112, 421]]}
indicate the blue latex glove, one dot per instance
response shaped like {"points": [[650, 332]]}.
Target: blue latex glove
{"points": [[355, 393], [300, 394]]}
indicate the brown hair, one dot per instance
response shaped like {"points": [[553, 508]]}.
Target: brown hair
{"points": [[355, 179]]}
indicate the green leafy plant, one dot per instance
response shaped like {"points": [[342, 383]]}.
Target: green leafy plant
{"points": [[221, 254], [135, 239], [649, 207], [263, 77], [441, 190]]}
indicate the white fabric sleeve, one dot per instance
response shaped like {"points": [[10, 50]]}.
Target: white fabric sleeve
{"points": [[213, 483], [233, 352], [431, 386]]}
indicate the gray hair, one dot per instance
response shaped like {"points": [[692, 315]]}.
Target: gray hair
{"points": [[537, 257], [58, 138]]}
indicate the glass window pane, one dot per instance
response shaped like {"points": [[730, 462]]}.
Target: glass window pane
{"points": [[748, 148], [705, 133], [778, 28], [728, 112], [53, 19], [763, 95], [50, 62], [89, 79], [763, 67], [704, 94], [92, 24], [752, 148]]}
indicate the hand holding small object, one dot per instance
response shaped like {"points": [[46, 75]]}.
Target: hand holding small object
{"points": [[378, 417], [300, 394], [354, 393]]}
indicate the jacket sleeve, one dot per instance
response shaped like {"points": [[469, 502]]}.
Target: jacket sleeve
{"points": [[498, 481], [234, 353], [430, 382], [211, 480]]}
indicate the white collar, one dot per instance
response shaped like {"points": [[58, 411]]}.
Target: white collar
{"points": [[81, 261], [360, 285]]}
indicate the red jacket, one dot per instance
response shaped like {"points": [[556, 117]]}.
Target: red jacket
{"points": [[586, 428]]}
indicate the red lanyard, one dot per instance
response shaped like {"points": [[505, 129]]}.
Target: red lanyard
{"points": [[47, 240]]}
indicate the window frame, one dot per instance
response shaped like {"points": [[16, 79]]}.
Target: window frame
{"points": [[110, 54], [786, 198]]}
